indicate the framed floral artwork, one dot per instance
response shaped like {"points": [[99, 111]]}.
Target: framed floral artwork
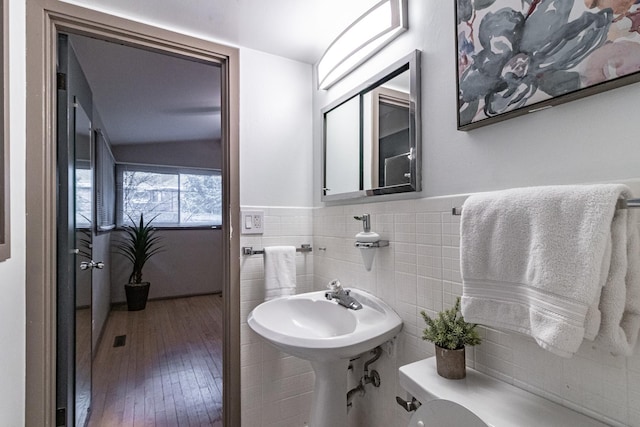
{"points": [[520, 56]]}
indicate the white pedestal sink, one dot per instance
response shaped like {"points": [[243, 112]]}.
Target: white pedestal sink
{"points": [[328, 335]]}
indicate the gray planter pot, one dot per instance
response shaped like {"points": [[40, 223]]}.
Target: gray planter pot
{"points": [[137, 295], [450, 364]]}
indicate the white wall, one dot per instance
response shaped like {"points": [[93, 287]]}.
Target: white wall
{"points": [[275, 172], [191, 264], [12, 271], [275, 131], [587, 140]]}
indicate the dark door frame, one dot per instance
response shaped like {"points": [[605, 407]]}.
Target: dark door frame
{"points": [[44, 20]]}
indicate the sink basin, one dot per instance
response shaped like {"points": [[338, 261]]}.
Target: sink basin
{"points": [[311, 327], [328, 335]]}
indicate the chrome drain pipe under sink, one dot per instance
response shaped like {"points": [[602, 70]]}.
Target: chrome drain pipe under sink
{"points": [[367, 378]]}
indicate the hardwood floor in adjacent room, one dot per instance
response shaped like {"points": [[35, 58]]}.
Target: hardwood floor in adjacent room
{"points": [[169, 372]]}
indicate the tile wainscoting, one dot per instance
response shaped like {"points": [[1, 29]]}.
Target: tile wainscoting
{"points": [[276, 388], [418, 271]]}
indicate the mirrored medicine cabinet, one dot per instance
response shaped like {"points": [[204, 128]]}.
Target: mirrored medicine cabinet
{"points": [[371, 136]]}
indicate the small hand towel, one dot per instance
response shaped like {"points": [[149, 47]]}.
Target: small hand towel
{"points": [[535, 260], [279, 271]]}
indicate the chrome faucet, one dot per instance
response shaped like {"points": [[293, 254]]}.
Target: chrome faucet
{"points": [[341, 295], [366, 222]]}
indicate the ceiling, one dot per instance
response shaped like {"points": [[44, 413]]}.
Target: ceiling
{"points": [[296, 29], [145, 97]]}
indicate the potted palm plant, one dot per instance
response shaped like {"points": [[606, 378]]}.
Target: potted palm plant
{"points": [[450, 333], [138, 245]]}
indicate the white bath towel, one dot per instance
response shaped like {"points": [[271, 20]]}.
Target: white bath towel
{"points": [[535, 260], [620, 298], [279, 271]]}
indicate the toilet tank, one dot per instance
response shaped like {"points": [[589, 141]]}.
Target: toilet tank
{"points": [[444, 413], [495, 402]]}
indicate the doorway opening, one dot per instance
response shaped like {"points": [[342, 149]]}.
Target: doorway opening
{"points": [[42, 204], [145, 130]]}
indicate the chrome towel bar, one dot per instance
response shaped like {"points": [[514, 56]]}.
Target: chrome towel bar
{"points": [[248, 250], [622, 204]]}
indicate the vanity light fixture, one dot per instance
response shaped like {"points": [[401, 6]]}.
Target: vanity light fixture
{"points": [[361, 40]]}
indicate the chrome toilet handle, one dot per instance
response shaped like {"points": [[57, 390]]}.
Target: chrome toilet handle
{"points": [[408, 405]]}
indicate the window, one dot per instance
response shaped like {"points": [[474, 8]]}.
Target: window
{"points": [[175, 197], [84, 200], [105, 187]]}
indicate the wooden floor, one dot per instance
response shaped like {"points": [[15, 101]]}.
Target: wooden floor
{"points": [[169, 373]]}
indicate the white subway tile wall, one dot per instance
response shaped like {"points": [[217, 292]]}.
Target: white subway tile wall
{"points": [[276, 388], [418, 271]]}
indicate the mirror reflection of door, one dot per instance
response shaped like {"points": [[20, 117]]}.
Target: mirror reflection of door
{"points": [[83, 234], [391, 149]]}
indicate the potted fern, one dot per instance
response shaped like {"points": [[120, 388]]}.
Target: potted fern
{"points": [[450, 334], [139, 244]]}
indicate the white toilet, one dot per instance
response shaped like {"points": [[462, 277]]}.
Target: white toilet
{"points": [[480, 401], [445, 413]]}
